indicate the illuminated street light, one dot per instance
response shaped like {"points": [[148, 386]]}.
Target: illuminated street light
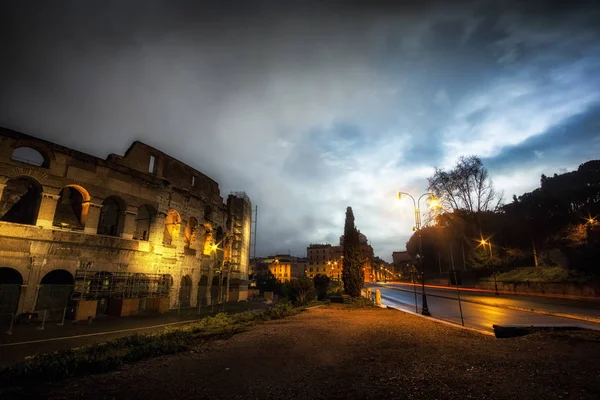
{"points": [[484, 242], [417, 228]]}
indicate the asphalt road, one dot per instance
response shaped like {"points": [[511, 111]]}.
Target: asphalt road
{"points": [[443, 304]]}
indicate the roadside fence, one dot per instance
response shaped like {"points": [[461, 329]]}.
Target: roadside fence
{"points": [[36, 320]]}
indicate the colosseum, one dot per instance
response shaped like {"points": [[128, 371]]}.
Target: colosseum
{"points": [[139, 232]]}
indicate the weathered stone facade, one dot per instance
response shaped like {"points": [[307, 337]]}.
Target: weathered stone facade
{"points": [[134, 216]]}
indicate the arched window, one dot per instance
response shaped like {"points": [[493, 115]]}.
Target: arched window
{"points": [[112, 218], [220, 235], [72, 208], [143, 221], [20, 201], [10, 290], [172, 227], [55, 292], [191, 230], [30, 156], [208, 212], [202, 289], [185, 291]]}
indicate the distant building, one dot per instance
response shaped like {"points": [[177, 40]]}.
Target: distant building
{"points": [[283, 266], [402, 262], [286, 267], [324, 259], [328, 260]]}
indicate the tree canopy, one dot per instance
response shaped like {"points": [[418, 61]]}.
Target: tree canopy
{"points": [[555, 224], [467, 186]]}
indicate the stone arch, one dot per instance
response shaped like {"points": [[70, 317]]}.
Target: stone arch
{"points": [[56, 288], [31, 156], [143, 221], [214, 289], [112, 216], [72, 207], [191, 231], [220, 234], [224, 289], [202, 289], [172, 227], [10, 291], [208, 213], [20, 201], [185, 291]]}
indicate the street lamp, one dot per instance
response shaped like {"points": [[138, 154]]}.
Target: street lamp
{"points": [[484, 242], [417, 228]]}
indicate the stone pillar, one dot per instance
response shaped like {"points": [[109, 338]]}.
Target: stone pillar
{"points": [[47, 209], [31, 286], [2, 186], [129, 223], [93, 217], [157, 228]]}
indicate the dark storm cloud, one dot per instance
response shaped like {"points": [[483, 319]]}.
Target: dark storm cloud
{"points": [[309, 107], [575, 140]]}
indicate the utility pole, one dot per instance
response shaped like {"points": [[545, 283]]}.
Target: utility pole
{"points": [[255, 225]]}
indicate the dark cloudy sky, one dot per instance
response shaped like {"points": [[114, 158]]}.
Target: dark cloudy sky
{"points": [[310, 108]]}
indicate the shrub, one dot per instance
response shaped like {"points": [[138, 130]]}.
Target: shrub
{"points": [[335, 288], [360, 302], [300, 290], [321, 283], [279, 311]]}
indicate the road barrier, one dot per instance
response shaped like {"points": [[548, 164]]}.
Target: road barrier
{"points": [[38, 319]]}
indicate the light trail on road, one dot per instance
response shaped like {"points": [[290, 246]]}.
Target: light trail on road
{"points": [[481, 310]]}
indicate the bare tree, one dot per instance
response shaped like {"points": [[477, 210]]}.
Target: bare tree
{"points": [[467, 186]]}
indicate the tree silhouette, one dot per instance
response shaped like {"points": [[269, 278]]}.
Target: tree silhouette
{"points": [[352, 273]]}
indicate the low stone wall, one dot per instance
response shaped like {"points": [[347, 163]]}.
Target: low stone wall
{"points": [[565, 288]]}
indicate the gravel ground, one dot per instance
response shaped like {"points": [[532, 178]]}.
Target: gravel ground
{"points": [[338, 353]]}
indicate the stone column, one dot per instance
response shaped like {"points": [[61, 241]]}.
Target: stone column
{"points": [[47, 209], [129, 222], [93, 217], [157, 228], [2, 186], [30, 288]]}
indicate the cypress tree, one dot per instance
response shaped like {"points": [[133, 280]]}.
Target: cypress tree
{"points": [[352, 273]]}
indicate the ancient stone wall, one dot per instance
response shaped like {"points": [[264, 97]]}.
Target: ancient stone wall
{"points": [[61, 209]]}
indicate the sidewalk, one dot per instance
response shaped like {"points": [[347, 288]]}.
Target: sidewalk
{"points": [[30, 331]]}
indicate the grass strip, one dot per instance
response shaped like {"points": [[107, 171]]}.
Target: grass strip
{"points": [[110, 355]]}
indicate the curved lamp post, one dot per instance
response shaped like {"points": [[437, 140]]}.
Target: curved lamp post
{"points": [[417, 228]]}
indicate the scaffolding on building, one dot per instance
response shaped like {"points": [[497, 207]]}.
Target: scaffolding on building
{"points": [[241, 231], [93, 285]]}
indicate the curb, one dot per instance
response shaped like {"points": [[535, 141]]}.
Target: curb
{"points": [[440, 321], [517, 308], [516, 330]]}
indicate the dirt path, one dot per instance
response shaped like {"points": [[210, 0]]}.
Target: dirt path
{"points": [[335, 353]]}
